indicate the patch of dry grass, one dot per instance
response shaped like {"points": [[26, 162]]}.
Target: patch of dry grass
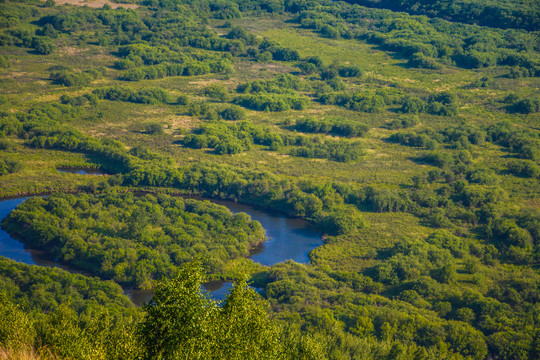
{"points": [[26, 353], [96, 3]]}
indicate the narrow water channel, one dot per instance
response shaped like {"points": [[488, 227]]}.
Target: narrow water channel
{"points": [[288, 239], [80, 171]]}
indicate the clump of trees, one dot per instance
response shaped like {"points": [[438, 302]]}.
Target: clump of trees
{"points": [[67, 77], [277, 94], [272, 102], [349, 71], [8, 166], [365, 102], [151, 95], [186, 68], [461, 138], [404, 122], [284, 83], [492, 13], [523, 143], [429, 43], [524, 106], [335, 126], [524, 168], [232, 113], [443, 104]]}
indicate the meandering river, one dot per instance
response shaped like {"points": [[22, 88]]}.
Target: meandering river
{"points": [[288, 239]]}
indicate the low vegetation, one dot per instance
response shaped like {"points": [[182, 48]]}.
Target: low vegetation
{"points": [[406, 132]]}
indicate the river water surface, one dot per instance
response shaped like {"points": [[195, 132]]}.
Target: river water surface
{"points": [[79, 171]]}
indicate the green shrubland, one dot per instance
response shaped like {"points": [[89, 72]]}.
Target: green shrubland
{"points": [[406, 132]]}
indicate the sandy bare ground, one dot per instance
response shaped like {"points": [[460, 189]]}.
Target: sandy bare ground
{"points": [[95, 3]]}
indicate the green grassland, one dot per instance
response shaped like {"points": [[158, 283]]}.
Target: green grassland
{"points": [[422, 237]]}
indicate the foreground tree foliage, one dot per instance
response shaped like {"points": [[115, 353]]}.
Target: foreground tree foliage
{"points": [[180, 321], [53, 314], [183, 322]]}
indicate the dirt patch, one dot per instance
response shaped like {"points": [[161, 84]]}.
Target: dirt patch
{"points": [[258, 66], [315, 111], [71, 50], [49, 97], [407, 80], [181, 122], [95, 3], [203, 83], [152, 111], [269, 67], [15, 74], [96, 133], [444, 88], [278, 155]]}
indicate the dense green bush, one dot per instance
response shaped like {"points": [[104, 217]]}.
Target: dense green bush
{"points": [[232, 113], [154, 129], [404, 122], [524, 168], [340, 127], [67, 77], [142, 96], [272, 102], [349, 71], [371, 103], [8, 166], [413, 105], [182, 322], [278, 85], [216, 91], [419, 60], [46, 289], [412, 139], [43, 45], [341, 151], [4, 62], [525, 106], [525, 144]]}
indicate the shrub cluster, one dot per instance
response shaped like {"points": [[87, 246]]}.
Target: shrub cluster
{"points": [[335, 126]]}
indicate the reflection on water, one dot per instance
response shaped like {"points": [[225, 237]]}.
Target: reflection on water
{"points": [[288, 238], [80, 171], [16, 250], [9, 247], [218, 289], [139, 297]]}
